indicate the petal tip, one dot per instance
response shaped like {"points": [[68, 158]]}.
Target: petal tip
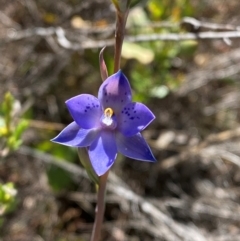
{"points": [[100, 173], [149, 157], [120, 74], [52, 140], [103, 152], [153, 159], [55, 139]]}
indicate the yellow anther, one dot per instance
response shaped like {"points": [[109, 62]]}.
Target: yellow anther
{"points": [[108, 112]]}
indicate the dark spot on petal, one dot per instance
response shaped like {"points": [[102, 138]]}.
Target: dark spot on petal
{"points": [[125, 93], [105, 93], [85, 111], [132, 118], [138, 117], [122, 101], [135, 111]]}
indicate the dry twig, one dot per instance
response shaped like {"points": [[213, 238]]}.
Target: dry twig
{"points": [[196, 150], [65, 43]]}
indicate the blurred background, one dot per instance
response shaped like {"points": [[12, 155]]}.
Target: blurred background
{"points": [[49, 53]]}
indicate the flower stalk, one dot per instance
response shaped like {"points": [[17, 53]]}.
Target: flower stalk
{"points": [[119, 37], [100, 207]]}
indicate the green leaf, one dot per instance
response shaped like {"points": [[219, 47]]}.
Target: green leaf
{"points": [[21, 127]]}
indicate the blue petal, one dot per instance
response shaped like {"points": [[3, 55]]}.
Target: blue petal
{"points": [[134, 147], [103, 152], [115, 92], [133, 118], [73, 135], [86, 110]]}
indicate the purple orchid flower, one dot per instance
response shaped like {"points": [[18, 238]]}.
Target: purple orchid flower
{"points": [[108, 124]]}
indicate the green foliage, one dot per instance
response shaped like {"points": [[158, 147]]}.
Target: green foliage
{"points": [[11, 127], [58, 178], [157, 66], [62, 152], [169, 10], [7, 199]]}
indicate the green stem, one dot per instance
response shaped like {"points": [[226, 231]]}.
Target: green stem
{"points": [[100, 208]]}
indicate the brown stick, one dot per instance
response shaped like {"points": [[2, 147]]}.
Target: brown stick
{"points": [[119, 36], [100, 208]]}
